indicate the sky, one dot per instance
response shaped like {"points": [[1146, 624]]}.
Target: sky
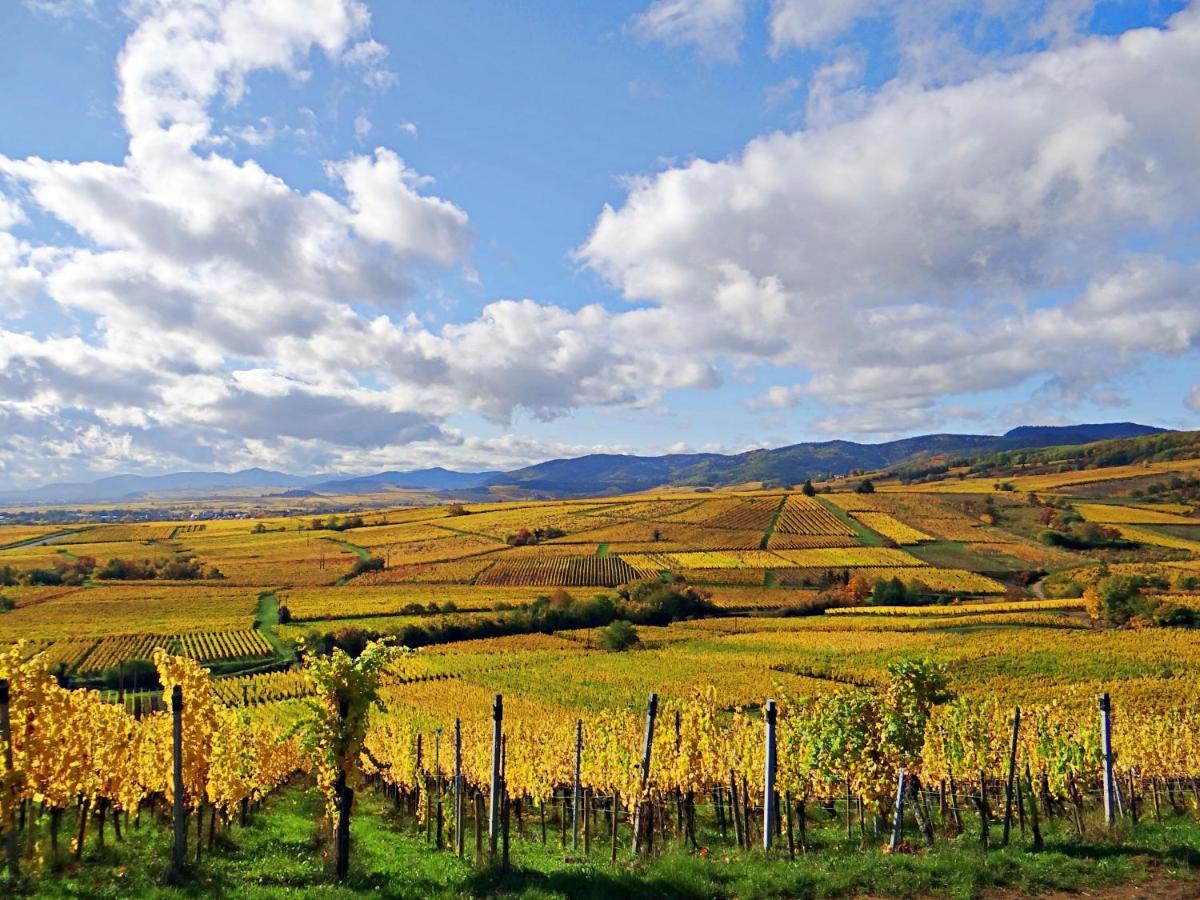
{"points": [[336, 236]]}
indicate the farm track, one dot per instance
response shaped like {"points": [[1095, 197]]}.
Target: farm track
{"points": [[766, 538], [45, 539]]}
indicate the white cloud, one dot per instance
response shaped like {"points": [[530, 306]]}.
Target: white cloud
{"points": [[228, 305], [714, 27], [11, 213], [805, 23], [362, 127], [256, 135], [62, 9], [366, 53], [810, 24], [776, 94], [20, 278], [835, 93], [898, 251], [388, 209], [369, 55], [192, 263], [1192, 401], [895, 255]]}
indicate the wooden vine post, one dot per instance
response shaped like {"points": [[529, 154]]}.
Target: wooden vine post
{"points": [[179, 813], [769, 780], [639, 817], [1106, 745], [494, 804], [345, 801], [1012, 772], [616, 812], [577, 792], [437, 780], [458, 788]]}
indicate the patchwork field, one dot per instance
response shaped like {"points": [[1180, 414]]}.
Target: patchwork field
{"points": [[734, 597], [255, 585]]}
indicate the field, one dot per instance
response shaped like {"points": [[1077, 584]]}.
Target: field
{"points": [[477, 591], [757, 550]]}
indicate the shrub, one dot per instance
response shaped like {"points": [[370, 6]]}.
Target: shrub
{"points": [[1176, 616], [181, 568], [370, 564], [47, 577], [1115, 599], [619, 636]]}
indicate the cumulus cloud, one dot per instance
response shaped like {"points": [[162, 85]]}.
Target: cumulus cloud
{"points": [[249, 321], [906, 247], [388, 209], [907, 253], [1192, 401], [189, 262], [19, 276]]}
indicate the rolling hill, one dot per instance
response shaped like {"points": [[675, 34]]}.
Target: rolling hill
{"points": [[600, 473]]}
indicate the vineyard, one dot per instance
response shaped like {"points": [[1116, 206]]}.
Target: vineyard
{"points": [[89, 657], [563, 571], [866, 691], [891, 527], [804, 516], [903, 760]]}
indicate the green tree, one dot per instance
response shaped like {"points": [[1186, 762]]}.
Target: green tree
{"points": [[1116, 599], [866, 486], [619, 636], [808, 490]]}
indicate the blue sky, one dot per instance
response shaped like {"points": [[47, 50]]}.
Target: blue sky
{"points": [[330, 235]]}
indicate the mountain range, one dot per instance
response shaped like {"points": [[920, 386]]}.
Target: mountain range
{"points": [[598, 473]]}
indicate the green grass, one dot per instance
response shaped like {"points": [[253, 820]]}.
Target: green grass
{"points": [[267, 616], [766, 538], [865, 535], [362, 552], [602, 550], [1187, 532], [283, 851], [956, 555]]}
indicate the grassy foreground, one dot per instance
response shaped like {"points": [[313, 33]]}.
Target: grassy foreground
{"points": [[282, 853]]}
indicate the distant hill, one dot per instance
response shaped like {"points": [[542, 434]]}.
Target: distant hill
{"points": [[1054, 435], [435, 479], [610, 473], [124, 487], [604, 473]]}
